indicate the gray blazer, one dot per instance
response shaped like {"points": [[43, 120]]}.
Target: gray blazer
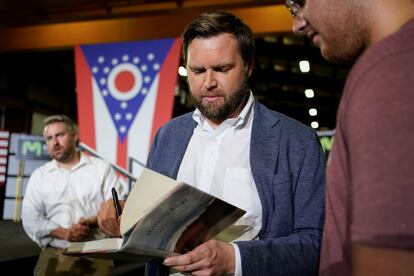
{"points": [[288, 167]]}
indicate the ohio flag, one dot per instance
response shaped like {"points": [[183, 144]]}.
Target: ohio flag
{"points": [[125, 92]]}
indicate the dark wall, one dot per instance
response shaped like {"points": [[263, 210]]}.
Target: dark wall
{"points": [[44, 82], [31, 82]]}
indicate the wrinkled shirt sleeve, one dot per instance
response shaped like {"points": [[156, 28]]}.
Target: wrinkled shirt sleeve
{"points": [[34, 218]]}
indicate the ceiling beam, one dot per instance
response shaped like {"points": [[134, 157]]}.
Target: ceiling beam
{"points": [[262, 20]]}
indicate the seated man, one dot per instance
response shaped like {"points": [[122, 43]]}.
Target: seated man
{"points": [[62, 200]]}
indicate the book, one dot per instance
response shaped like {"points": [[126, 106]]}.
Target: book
{"points": [[162, 217]]}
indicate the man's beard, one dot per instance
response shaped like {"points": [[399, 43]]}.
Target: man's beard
{"points": [[218, 113], [65, 156]]}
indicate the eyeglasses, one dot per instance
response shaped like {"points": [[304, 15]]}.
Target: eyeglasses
{"points": [[294, 6]]}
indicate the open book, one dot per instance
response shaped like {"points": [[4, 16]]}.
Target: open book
{"points": [[162, 217]]}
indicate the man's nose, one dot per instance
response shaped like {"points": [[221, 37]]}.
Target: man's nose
{"points": [[299, 25], [55, 141], [210, 80]]}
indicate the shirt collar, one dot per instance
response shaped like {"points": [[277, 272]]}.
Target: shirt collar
{"points": [[84, 159]]}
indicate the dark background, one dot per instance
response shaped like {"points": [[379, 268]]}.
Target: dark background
{"points": [[44, 82]]}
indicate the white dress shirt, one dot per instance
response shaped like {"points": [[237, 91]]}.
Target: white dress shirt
{"points": [[56, 197], [218, 161]]}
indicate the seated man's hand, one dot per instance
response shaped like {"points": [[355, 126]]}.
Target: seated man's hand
{"points": [[90, 221], [210, 258], [78, 231], [107, 220]]}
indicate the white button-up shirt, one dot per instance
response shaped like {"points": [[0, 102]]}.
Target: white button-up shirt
{"points": [[218, 161], [56, 197]]}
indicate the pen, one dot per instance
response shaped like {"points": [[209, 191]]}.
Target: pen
{"points": [[116, 202]]}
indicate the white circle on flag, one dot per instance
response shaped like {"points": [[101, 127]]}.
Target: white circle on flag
{"points": [[124, 81]]}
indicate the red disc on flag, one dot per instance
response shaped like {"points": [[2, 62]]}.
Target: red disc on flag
{"points": [[124, 81]]}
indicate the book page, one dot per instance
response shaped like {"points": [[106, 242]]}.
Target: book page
{"points": [[147, 190], [163, 217], [164, 224], [104, 245]]}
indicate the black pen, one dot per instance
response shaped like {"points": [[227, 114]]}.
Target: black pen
{"points": [[116, 202]]}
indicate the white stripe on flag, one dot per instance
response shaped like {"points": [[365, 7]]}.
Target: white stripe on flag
{"points": [[105, 132], [3, 160], [2, 169], [2, 178], [4, 143], [140, 131], [4, 134], [3, 151]]}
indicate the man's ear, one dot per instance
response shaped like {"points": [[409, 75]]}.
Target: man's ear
{"points": [[248, 69], [76, 138]]}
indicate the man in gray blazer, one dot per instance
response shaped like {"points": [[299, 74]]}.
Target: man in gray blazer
{"points": [[235, 148]]}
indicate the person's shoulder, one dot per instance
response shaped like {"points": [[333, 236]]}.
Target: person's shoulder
{"points": [[383, 68], [386, 57], [94, 161], [185, 118], [287, 124], [43, 169]]}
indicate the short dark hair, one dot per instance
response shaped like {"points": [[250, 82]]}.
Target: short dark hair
{"points": [[214, 23], [60, 118]]}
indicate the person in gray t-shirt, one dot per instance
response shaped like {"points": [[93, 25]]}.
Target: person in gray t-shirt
{"points": [[369, 227]]}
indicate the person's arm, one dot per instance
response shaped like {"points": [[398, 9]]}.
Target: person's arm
{"points": [[381, 261], [210, 258], [77, 232], [108, 222], [34, 220]]}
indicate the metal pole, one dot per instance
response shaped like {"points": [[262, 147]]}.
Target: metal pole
{"points": [[90, 150]]}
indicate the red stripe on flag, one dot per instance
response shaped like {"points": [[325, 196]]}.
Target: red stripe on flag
{"points": [[84, 100], [121, 153], [168, 80], [4, 138]]}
